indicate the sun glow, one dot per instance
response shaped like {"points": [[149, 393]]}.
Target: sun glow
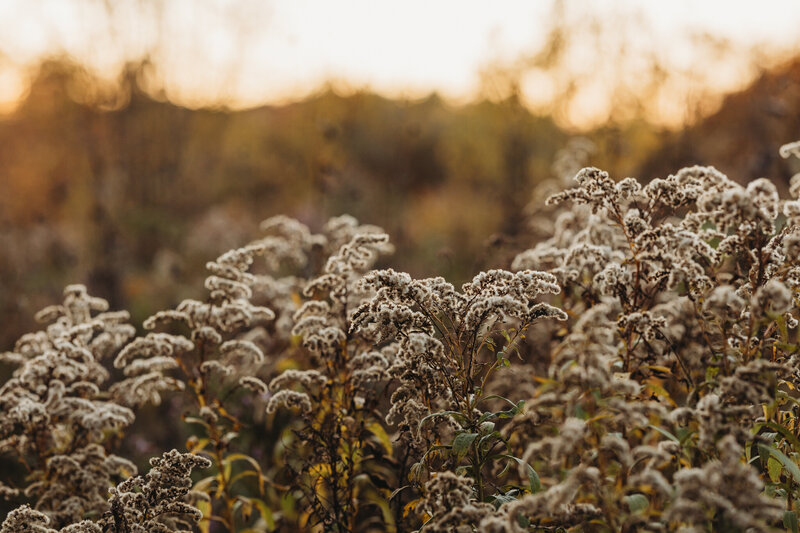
{"points": [[246, 53]]}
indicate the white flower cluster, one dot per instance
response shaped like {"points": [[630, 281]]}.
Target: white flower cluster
{"points": [[144, 361], [26, 520], [450, 502], [291, 243], [55, 413], [441, 331], [725, 487], [227, 311], [672, 357], [790, 149], [555, 507], [152, 503], [322, 321], [681, 295]]}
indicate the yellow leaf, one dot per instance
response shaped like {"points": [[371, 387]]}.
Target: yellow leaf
{"points": [[229, 459], [245, 508], [195, 445], [297, 299], [377, 430], [663, 369], [287, 364], [375, 497], [266, 513], [320, 469], [204, 485], [205, 508], [654, 386], [410, 506], [774, 468], [601, 416]]}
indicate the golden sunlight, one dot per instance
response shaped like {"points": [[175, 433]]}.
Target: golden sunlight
{"points": [[246, 53]]}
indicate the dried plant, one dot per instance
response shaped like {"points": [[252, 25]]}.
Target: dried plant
{"points": [[636, 370], [449, 345], [58, 418], [680, 357], [153, 503], [215, 358], [341, 462]]}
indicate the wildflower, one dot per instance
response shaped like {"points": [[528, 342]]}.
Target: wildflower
{"points": [[726, 487], [790, 149], [290, 400]]}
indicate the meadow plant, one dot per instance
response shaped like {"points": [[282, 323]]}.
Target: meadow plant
{"points": [[680, 358], [152, 503], [340, 461], [449, 344], [215, 357], [59, 419], [635, 370]]}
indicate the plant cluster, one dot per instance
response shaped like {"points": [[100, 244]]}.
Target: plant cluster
{"points": [[636, 370]]}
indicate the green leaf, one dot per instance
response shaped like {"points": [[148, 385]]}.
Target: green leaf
{"points": [[666, 433], [454, 414], [533, 477], [486, 441], [498, 397], [500, 499], [787, 463], [684, 434], [781, 321], [229, 459], [462, 442], [205, 509], [515, 409], [266, 513], [788, 435], [397, 491], [637, 502], [486, 416], [790, 521], [774, 469]]}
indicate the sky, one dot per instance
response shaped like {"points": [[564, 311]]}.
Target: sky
{"points": [[249, 52]]}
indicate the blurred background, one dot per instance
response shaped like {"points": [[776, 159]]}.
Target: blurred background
{"points": [[141, 138]]}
